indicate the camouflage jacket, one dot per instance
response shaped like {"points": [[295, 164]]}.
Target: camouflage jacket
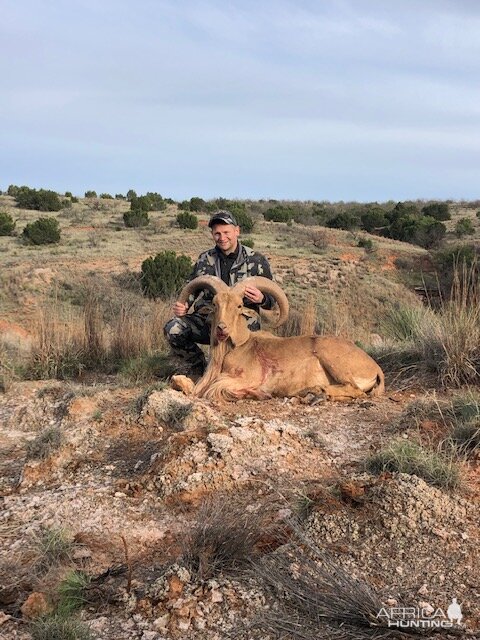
{"points": [[248, 263]]}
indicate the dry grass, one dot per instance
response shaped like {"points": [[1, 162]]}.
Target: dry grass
{"points": [[225, 537], [444, 343], [48, 441], [65, 343], [315, 597], [302, 321]]}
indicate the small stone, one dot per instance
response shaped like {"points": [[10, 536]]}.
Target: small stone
{"points": [[162, 622], [217, 596], [150, 635], [464, 536], [426, 608], [391, 602], [423, 591], [120, 494], [184, 625], [399, 570], [4, 617]]}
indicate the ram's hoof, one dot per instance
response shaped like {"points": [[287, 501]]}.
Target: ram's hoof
{"points": [[182, 383]]}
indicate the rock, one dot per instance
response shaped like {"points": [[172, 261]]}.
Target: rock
{"points": [[161, 622], [426, 608], [36, 605], [220, 443], [423, 591]]}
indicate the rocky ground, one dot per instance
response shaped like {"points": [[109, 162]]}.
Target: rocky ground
{"points": [[132, 472]]}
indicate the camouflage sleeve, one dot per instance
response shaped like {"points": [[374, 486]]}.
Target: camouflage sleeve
{"points": [[204, 295], [265, 271]]}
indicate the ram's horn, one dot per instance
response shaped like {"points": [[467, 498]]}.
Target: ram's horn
{"points": [[202, 282], [266, 286]]}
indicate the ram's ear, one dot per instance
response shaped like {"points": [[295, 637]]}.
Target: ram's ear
{"points": [[249, 313], [206, 309]]}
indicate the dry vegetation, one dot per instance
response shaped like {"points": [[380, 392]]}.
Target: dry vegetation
{"points": [[132, 512]]}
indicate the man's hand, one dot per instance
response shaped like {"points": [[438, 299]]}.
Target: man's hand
{"points": [[180, 308], [254, 295]]}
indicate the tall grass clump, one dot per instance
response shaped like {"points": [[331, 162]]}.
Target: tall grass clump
{"points": [[451, 343], [72, 592], [441, 343], [404, 456], [315, 597], [54, 547], [58, 345], [224, 537], [57, 627], [95, 338]]}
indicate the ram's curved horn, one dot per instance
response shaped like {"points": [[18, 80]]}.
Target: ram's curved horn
{"points": [[202, 282], [266, 286]]}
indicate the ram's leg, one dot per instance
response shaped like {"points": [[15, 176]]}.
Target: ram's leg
{"points": [[344, 392], [227, 387], [182, 383]]}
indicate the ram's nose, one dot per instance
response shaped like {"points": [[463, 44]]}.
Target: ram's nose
{"points": [[222, 331]]}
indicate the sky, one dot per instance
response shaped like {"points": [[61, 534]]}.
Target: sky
{"points": [[366, 100]]}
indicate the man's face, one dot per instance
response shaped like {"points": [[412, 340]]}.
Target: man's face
{"points": [[226, 237]]}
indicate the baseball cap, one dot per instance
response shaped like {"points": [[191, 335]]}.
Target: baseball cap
{"points": [[222, 217]]}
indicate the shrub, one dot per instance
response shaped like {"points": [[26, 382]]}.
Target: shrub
{"points": [[245, 222], [248, 242], [163, 275], [149, 202], [464, 227], [157, 203], [373, 218], [478, 214], [367, 244], [404, 456], [187, 220], [424, 231], [90, 194], [344, 220], [41, 200], [7, 224], [279, 213], [68, 194], [197, 204], [42, 447], [42, 231], [106, 196], [184, 205], [437, 210], [136, 218], [12, 190], [119, 196], [131, 194]]}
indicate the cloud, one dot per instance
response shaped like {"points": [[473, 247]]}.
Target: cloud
{"points": [[288, 95]]}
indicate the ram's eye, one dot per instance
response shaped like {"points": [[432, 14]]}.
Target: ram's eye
{"points": [[240, 306]]}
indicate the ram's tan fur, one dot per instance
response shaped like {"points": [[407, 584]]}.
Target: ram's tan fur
{"points": [[245, 364]]}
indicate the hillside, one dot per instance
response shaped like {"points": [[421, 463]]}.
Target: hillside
{"points": [[135, 512]]}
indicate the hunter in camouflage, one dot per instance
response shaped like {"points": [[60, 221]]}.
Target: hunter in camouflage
{"points": [[231, 261]]}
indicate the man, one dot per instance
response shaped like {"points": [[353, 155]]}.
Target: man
{"points": [[230, 261]]}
